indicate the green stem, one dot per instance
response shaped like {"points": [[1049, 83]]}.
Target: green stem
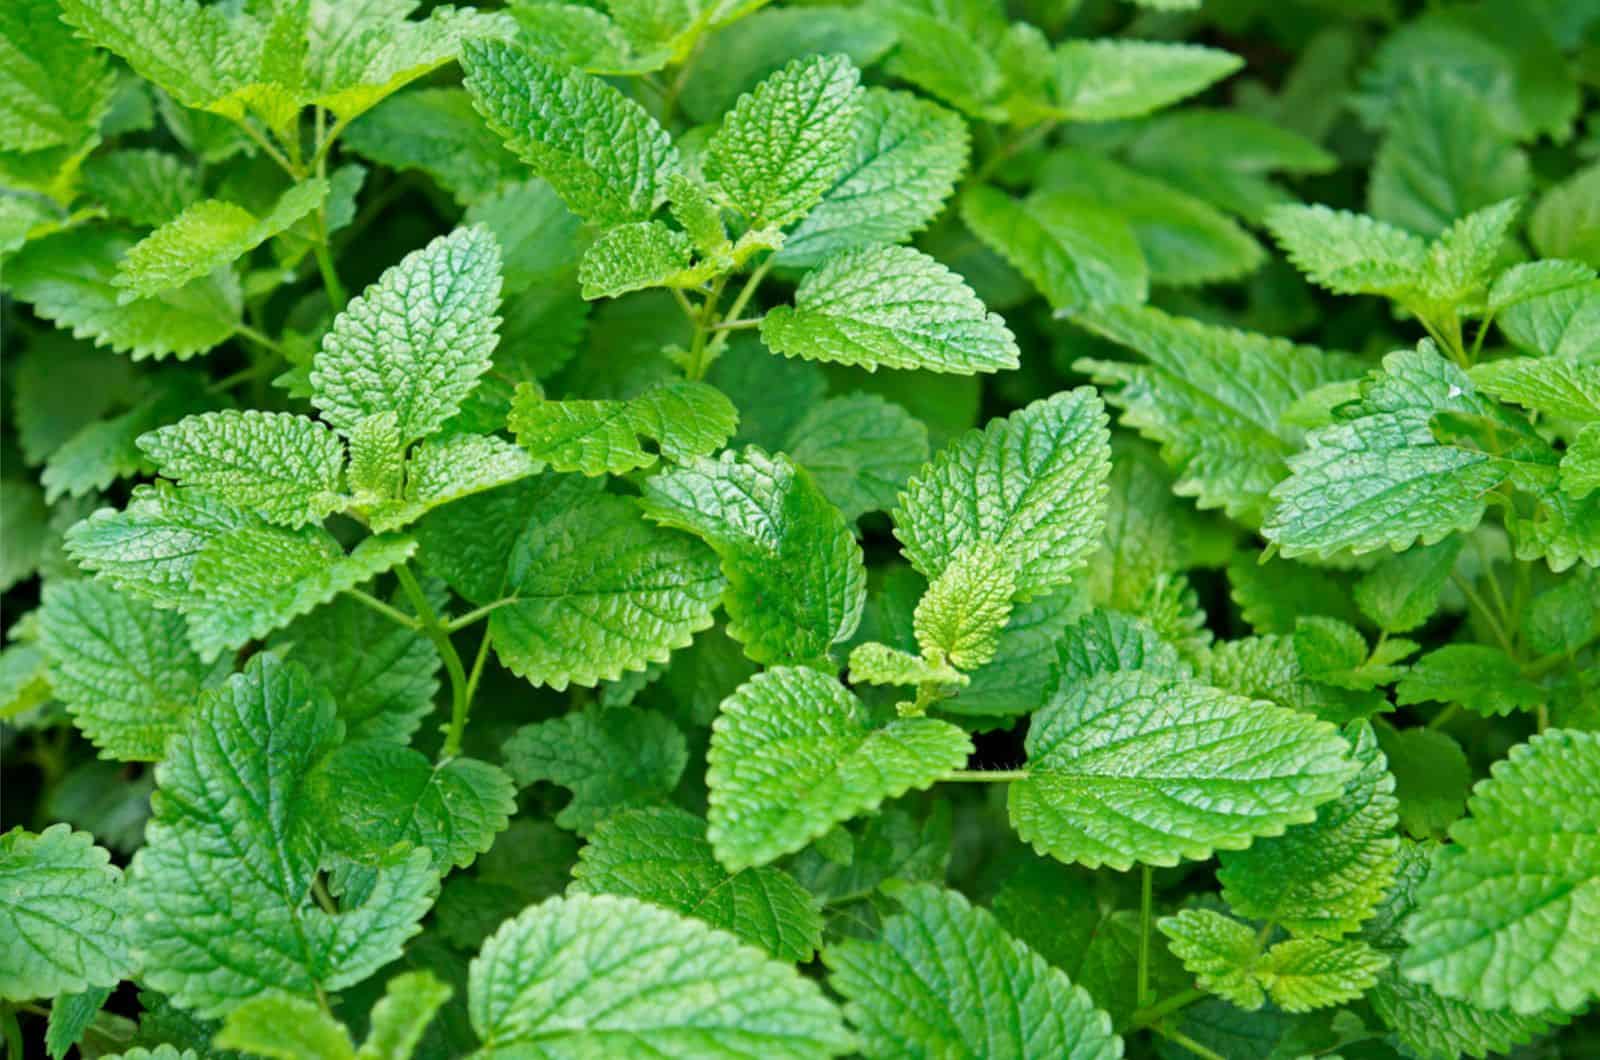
{"points": [[1477, 601], [477, 664], [470, 617], [330, 275], [319, 891], [698, 361], [272, 152], [435, 631], [1146, 907], [1441, 719], [981, 776], [1153, 1014], [393, 614], [260, 338], [1023, 140], [1179, 1038], [739, 302], [11, 1033]]}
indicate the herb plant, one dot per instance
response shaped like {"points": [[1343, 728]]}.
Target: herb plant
{"points": [[707, 528]]}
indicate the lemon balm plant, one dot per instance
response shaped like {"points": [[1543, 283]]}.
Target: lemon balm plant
{"points": [[707, 528]]}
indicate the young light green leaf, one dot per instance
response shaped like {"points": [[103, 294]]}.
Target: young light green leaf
{"points": [[1135, 767], [959, 619], [890, 307], [63, 906], [945, 979], [401, 1016], [445, 469], [685, 420], [1032, 485], [796, 583], [1349, 253], [124, 669], [611, 759], [661, 855], [1378, 477], [1105, 80], [634, 256], [1219, 951], [907, 156], [206, 236], [1580, 464], [1075, 253], [1326, 877], [233, 838], [415, 342], [286, 467], [1213, 397], [1556, 386], [604, 155], [281, 1027], [792, 755], [1496, 929], [372, 794], [70, 280], [785, 143], [674, 984], [878, 664], [598, 592]]}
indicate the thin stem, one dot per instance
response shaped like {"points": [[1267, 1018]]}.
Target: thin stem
{"points": [[1179, 1038], [698, 361], [260, 338], [741, 300], [1264, 934], [1153, 1014], [684, 304], [669, 100], [272, 152], [330, 275], [393, 614], [1477, 601], [435, 631], [321, 156], [1146, 906], [319, 891], [1025, 139], [739, 325], [1441, 719], [477, 664], [981, 776], [472, 616]]}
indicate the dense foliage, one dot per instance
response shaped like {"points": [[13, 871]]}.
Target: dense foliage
{"points": [[708, 528]]}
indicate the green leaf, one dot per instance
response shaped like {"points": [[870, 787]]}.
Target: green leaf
{"points": [[1213, 397], [1556, 386], [1104, 80], [945, 979], [124, 669], [372, 794], [1184, 240], [1580, 464], [960, 617], [400, 1018], [1326, 877], [793, 754], [860, 449], [1349, 253], [611, 759], [1402, 592], [26, 531], [63, 905], [286, 467], [234, 576], [285, 1028], [1433, 1026], [1378, 478], [436, 131], [907, 156], [61, 386], [1104, 642], [878, 664], [70, 280], [1444, 156], [233, 840], [54, 87], [599, 591], [785, 143], [634, 256], [1565, 224], [1075, 253], [1431, 778], [890, 307], [684, 420], [1482, 679], [605, 156], [206, 236], [582, 38], [70, 1017], [662, 856], [1495, 928], [1032, 485], [415, 342], [106, 450], [198, 54], [1134, 767], [796, 583], [1298, 975], [592, 974], [381, 675]]}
